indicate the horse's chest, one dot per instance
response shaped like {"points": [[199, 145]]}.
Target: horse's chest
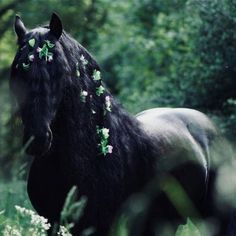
{"points": [[47, 188]]}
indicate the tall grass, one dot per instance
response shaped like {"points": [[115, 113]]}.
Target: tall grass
{"points": [[17, 217]]}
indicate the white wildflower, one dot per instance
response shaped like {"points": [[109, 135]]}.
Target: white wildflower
{"points": [[83, 95], [31, 57], [36, 220], [11, 231], [83, 60], [63, 231], [50, 58], [108, 103], [105, 132], [38, 49], [40, 221], [109, 148]]}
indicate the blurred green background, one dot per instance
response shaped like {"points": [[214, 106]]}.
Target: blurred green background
{"points": [[152, 53]]}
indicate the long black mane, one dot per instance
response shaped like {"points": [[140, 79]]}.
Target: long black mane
{"points": [[129, 141]]}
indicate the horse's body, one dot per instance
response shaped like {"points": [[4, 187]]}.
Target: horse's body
{"points": [[181, 136], [154, 143]]}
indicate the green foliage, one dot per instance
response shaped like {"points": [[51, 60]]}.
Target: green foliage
{"points": [[178, 197], [17, 217], [72, 209], [188, 229], [121, 227]]}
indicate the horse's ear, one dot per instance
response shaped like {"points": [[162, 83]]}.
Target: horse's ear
{"points": [[19, 28], [55, 25]]}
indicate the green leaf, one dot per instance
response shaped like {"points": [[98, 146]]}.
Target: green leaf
{"points": [[77, 69], [25, 66], [100, 90], [121, 227], [32, 42], [72, 209], [188, 229], [49, 44], [96, 75]]}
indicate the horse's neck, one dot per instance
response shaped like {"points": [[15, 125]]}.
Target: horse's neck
{"points": [[77, 143], [76, 124]]}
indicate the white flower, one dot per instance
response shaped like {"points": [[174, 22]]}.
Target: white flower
{"points": [[38, 49], [83, 60], [108, 103], [40, 221], [105, 132], [50, 58], [84, 93], [109, 148], [11, 231], [31, 57], [36, 220]]}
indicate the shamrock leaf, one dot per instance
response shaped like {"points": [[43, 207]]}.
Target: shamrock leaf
{"points": [[49, 44], [96, 75], [25, 66], [32, 42], [100, 90], [43, 52]]}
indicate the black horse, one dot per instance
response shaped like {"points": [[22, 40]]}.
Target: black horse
{"points": [[81, 136]]}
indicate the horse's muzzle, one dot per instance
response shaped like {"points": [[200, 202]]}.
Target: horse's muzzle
{"points": [[37, 143]]}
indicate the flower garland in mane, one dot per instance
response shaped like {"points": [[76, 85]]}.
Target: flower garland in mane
{"points": [[102, 132]]}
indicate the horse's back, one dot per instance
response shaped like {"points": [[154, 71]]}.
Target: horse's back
{"points": [[160, 119], [179, 129]]}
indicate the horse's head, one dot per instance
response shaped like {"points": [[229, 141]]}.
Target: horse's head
{"points": [[37, 80]]}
